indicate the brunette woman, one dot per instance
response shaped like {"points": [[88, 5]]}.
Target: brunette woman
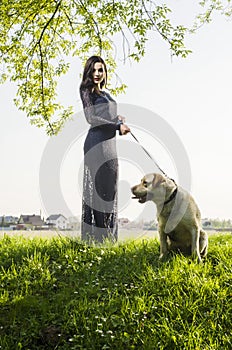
{"points": [[99, 205]]}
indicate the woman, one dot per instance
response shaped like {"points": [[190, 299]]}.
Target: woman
{"points": [[99, 207]]}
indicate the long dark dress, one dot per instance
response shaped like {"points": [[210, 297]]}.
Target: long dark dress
{"points": [[99, 203]]}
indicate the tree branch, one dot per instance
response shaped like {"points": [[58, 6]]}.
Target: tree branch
{"points": [[42, 89], [97, 31], [155, 25]]}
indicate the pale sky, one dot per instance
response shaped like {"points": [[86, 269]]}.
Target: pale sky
{"points": [[192, 95]]}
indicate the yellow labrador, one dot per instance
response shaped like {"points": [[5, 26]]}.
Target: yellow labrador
{"points": [[179, 218]]}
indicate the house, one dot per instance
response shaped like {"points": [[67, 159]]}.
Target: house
{"points": [[74, 223], [58, 221], [33, 222], [9, 219], [123, 222]]}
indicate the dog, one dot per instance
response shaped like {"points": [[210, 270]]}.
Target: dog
{"points": [[179, 219]]}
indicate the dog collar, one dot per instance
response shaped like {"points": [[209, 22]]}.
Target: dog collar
{"points": [[173, 195]]}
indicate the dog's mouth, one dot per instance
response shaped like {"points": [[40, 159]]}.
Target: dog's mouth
{"points": [[142, 199]]}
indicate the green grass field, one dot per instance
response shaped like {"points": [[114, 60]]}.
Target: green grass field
{"points": [[62, 294]]}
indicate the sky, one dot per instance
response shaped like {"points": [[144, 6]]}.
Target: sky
{"points": [[193, 98]]}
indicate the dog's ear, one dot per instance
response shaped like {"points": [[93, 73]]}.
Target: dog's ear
{"points": [[148, 179], [158, 178]]}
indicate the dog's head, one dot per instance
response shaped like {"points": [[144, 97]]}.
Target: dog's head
{"points": [[154, 187]]}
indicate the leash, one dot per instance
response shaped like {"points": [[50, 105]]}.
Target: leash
{"points": [[148, 154], [173, 195]]}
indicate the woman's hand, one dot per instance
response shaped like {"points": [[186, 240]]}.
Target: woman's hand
{"points": [[121, 118], [124, 129]]}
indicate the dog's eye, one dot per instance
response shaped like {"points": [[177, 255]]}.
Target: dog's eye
{"points": [[145, 183]]}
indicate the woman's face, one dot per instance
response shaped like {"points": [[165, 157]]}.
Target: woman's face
{"points": [[98, 73]]}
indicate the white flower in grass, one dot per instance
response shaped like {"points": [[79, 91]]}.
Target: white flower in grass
{"points": [[100, 331]]}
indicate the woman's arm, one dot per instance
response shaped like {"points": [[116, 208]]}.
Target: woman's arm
{"points": [[98, 114]]}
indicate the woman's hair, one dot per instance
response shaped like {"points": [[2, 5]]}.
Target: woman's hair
{"points": [[87, 79]]}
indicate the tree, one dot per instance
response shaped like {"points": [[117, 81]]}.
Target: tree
{"points": [[39, 36]]}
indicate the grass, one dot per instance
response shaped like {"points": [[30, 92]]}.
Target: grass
{"points": [[63, 294]]}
